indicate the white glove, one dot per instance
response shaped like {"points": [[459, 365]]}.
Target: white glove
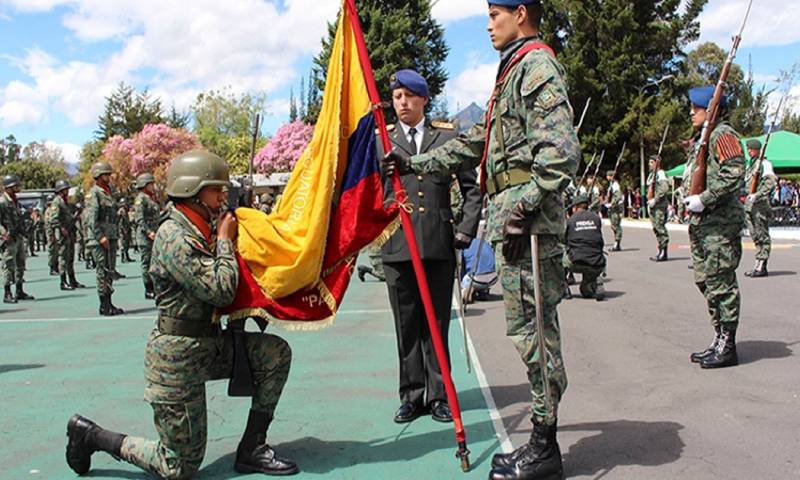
{"points": [[693, 204], [751, 198], [651, 204]]}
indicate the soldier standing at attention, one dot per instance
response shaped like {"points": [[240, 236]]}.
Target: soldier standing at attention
{"points": [[194, 270], [62, 223], [616, 207], [758, 209], [12, 241], [146, 213], [528, 152], [101, 234], [52, 247], [38, 228], [124, 228], [421, 386], [658, 209], [593, 192], [715, 230]]}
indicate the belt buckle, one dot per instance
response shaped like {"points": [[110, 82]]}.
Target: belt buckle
{"points": [[506, 178]]}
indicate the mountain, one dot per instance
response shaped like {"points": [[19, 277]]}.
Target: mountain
{"points": [[468, 117]]}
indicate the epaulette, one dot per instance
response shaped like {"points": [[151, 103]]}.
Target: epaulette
{"points": [[389, 128], [443, 125]]}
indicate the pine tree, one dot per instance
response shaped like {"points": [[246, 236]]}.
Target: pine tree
{"points": [[292, 106], [126, 113], [399, 34]]}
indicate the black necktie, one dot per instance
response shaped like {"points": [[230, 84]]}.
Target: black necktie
{"points": [[412, 132]]}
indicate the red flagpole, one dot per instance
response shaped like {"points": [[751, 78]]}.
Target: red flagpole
{"points": [[408, 228]]}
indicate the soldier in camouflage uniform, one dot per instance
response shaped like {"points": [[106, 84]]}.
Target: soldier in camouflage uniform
{"points": [[124, 229], [194, 273], [52, 247], [101, 234], [758, 209], [62, 223], [593, 192], [715, 230], [616, 208], [12, 241], [30, 232], [658, 209], [531, 153], [38, 229], [146, 214], [375, 267]]}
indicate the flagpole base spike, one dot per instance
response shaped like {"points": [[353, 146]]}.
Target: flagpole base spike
{"points": [[463, 455]]}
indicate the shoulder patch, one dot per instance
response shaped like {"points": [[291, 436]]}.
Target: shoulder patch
{"points": [[443, 125], [728, 146], [541, 72]]}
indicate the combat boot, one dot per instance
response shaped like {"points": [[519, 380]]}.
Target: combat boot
{"points": [[617, 247], [107, 309], [599, 292], [760, 270], [74, 282], [53, 271], [661, 257], [149, 293], [363, 270], [254, 455], [117, 275], [65, 285], [84, 437], [698, 357], [9, 297], [21, 295], [539, 459], [725, 353]]}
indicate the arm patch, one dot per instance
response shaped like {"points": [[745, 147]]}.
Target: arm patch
{"points": [[728, 146]]}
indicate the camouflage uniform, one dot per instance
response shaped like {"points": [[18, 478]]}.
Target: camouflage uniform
{"points": [[146, 214], [616, 210], [715, 234], [594, 205], [124, 231], [38, 228], [62, 224], [375, 261], [658, 212], [100, 220], [12, 250], [535, 118], [759, 211], [190, 281], [52, 245]]}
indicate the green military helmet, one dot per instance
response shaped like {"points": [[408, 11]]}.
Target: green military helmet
{"points": [[61, 185], [754, 144], [143, 179], [101, 168], [190, 172], [11, 181]]}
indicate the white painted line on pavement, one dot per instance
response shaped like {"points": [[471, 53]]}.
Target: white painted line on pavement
{"points": [[494, 414]]}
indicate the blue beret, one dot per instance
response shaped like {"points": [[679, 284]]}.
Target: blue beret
{"points": [[512, 3], [701, 96], [410, 80]]}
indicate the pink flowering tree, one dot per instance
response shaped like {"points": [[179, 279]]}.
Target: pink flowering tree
{"points": [[149, 151], [284, 149]]}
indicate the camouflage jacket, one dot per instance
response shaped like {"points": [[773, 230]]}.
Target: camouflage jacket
{"points": [[617, 201], [145, 216], [12, 222], [724, 179], [190, 281], [767, 181], [100, 216], [60, 219], [123, 223], [661, 191], [531, 130]]}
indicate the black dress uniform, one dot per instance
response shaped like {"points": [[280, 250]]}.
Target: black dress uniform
{"points": [[431, 214]]}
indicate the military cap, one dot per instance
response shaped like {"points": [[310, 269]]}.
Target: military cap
{"points": [[578, 199], [512, 3], [653, 158], [754, 144], [701, 96], [10, 181], [610, 173], [410, 80]]}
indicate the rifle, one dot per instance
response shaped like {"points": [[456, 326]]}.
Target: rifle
{"points": [[614, 175], [583, 115], [651, 189], [757, 165], [698, 183], [588, 166], [594, 177], [244, 197]]}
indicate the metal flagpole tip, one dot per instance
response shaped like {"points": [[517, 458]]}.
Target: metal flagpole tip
{"points": [[463, 455]]}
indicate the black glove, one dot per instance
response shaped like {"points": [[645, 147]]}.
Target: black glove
{"points": [[461, 241], [516, 234], [395, 160]]}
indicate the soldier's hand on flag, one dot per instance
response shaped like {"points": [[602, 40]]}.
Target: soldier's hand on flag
{"points": [[395, 160], [694, 204], [228, 226], [461, 241], [516, 233]]}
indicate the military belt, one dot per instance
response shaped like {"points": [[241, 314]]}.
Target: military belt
{"points": [[187, 328], [505, 180]]}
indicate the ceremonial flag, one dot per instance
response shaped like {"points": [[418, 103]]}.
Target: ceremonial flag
{"points": [[296, 262]]}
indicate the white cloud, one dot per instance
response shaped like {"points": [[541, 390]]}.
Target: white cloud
{"points": [[770, 23], [454, 10], [71, 152], [473, 84]]}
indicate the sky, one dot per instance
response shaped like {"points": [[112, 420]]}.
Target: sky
{"points": [[59, 59]]}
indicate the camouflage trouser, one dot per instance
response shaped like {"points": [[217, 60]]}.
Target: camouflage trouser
{"points": [[591, 277], [12, 261], [658, 217], [179, 412], [517, 282], [103, 260], [112, 254], [40, 239], [716, 252], [52, 250], [758, 218], [615, 216], [66, 256], [376, 262], [145, 254]]}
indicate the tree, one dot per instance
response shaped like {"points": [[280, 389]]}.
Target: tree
{"points": [[292, 106], [9, 150], [177, 119], [284, 149], [791, 122], [399, 34], [38, 165], [749, 115], [127, 112]]}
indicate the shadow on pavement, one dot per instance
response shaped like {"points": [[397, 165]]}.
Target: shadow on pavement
{"points": [[624, 442], [15, 368], [60, 297], [14, 310], [101, 472], [751, 351], [140, 310], [781, 273]]}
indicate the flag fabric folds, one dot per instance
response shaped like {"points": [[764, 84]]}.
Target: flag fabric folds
{"points": [[296, 262]]}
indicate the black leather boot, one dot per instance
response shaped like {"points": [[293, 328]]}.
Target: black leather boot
{"points": [[65, 285], [21, 295], [107, 309], [599, 293], [617, 247], [114, 310], [760, 270], [74, 282], [149, 293], [9, 297], [254, 455], [539, 459], [661, 257], [53, 271], [84, 437], [725, 353], [698, 357]]}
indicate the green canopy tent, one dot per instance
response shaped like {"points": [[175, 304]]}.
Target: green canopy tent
{"points": [[783, 151]]}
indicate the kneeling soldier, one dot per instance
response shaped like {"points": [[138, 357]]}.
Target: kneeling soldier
{"points": [[193, 271]]}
